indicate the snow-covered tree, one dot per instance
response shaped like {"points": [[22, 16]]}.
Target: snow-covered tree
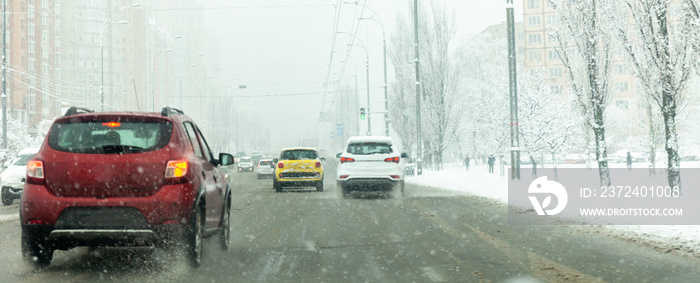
{"points": [[546, 125], [584, 45], [693, 8], [485, 119], [440, 95], [654, 126], [18, 138], [440, 80], [42, 129], [403, 92], [660, 51]]}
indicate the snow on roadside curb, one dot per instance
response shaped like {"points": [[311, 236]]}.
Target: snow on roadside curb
{"points": [[9, 217], [477, 181]]}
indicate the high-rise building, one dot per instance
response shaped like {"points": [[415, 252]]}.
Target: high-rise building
{"points": [[32, 67], [541, 55], [500, 32], [113, 54]]}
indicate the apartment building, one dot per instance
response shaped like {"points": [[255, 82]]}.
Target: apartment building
{"points": [[541, 56], [500, 32], [178, 52], [32, 69], [100, 54], [101, 43]]}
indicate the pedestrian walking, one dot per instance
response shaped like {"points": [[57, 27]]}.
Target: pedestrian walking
{"points": [[491, 161], [629, 160], [466, 162]]}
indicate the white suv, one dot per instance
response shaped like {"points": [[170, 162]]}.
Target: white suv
{"points": [[265, 168], [371, 164]]}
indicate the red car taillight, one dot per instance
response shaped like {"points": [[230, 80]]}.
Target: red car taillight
{"points": [[280, 165], [35, 172], [392, 159], [318, 164], [346, 159], [176, 169]]}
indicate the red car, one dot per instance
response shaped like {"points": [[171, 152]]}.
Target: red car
{"points": [[123, 179]]}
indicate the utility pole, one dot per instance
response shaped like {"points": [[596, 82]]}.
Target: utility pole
{"points": [[386, 97], [419, 145], [369, 121], [357, 102], [386, 86], [514, 133], [4, 74]]}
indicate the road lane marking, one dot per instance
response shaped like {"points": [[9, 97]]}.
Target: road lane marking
{"points": [[374, 269], [273, 265], [432, 274], [540, 266]]}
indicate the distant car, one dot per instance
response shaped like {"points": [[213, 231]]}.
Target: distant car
{"points": [[371, 164], [246, 164], [12, 179], [410, 169], [256, 157], [265, 168], [298, 167], [689, 158], [574, 159]]}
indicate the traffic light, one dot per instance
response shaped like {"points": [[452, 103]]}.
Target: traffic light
{"points": [[362, 113]]}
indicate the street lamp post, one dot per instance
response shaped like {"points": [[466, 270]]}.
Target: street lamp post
{"points": [[514, 136], [153, 76], [357, 98], [419, 142], [153, 71], [386, 85], [4, 75], [105, 25], [362, 45]]}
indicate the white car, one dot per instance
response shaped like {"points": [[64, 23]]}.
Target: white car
{"points": [[12, 179], [246, 164], [371, 164], [265, 168]]}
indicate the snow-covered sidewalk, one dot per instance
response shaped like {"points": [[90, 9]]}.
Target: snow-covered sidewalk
{"points": [[477, 181]]}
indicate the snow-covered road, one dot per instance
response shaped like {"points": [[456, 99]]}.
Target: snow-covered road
{"points": [[477, 181]]}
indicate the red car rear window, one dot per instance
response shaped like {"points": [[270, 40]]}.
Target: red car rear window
{"points": [[108, 137]]}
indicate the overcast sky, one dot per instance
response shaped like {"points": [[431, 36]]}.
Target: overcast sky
{"points": [[281, 49]]}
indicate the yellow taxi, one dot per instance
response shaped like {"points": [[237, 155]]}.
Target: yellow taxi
{"points": [[298, 167]]}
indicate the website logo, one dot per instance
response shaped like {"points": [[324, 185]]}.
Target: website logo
{"points": [[542, 186]]}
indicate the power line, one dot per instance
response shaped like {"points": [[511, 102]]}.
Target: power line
{"points": [[242, 7], [186, 9], [336, 21], [355, 29], [265, 95]]}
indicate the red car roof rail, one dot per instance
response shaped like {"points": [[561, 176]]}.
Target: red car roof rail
{"points": [[167, 111], [73, 110]]}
